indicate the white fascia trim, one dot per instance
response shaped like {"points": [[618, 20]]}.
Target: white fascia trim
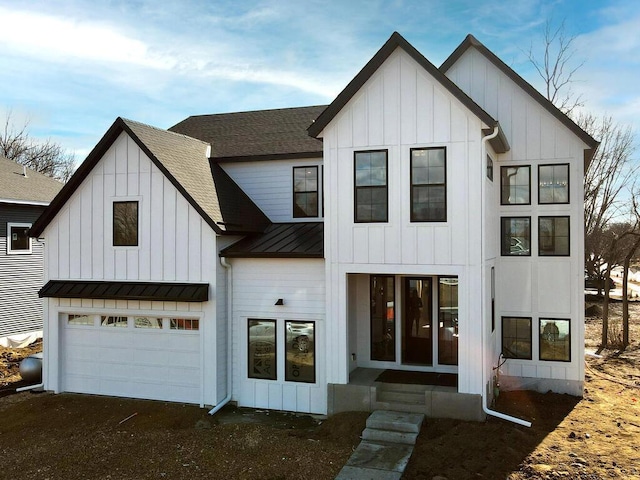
{"points": [[24, 202]]}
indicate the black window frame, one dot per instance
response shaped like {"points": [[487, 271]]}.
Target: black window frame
{"points": [[543, 252], [291, 347], [357, 188], [120, 240], [540, 202], [506, 252], [296, 209], [433, 185], [543, 337], [251, 372], [510, 354], [504, 199], [489, 168]]}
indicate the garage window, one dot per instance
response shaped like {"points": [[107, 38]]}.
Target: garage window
{"points": [[80, 320], [147, 322], [184, 324], [118, 322]]}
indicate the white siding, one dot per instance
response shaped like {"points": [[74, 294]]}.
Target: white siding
{"points": [[257, 284], [175, 245], [270, 185]]}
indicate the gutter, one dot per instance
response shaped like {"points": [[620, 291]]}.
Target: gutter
{"points": [[227, 398], [485, 407]]}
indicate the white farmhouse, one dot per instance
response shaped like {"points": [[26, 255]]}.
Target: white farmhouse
{"points": [[388, 250]]}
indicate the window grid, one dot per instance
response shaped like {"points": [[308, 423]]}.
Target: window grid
{"points": [[305, 192], [516, 337], [553, 184], [553, 236], [515, 185], [370, 186], [184, 324], [428, 185], [515, 233]]}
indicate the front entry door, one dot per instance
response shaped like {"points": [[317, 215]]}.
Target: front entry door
{"points": [[417, 324]]}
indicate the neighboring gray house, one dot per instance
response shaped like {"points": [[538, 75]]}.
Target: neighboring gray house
{"points": [[24, 194]]}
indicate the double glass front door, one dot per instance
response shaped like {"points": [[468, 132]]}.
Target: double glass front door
{"points": [[428, 306]]}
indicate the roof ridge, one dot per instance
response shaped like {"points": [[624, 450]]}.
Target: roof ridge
{"points": [[257, 111], [128, 121]]}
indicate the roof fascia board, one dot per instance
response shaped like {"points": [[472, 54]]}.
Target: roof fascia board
{"points": [[265, 158], [24, 202], [396, 40], [471, 41]]}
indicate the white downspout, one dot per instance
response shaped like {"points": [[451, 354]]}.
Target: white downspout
{"points": [[225, 400], [485, 407]]}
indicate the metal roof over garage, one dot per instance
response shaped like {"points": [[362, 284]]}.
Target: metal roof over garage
{"points": [[159, 291]]}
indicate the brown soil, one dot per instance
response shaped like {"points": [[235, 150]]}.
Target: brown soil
{"points": [[46, 436]]}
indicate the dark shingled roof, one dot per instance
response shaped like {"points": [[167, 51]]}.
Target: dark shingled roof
{"points": [[183, 160], [281, 240], [160, 291], [34, 188], [257, 135], [471, 41], [500, 143]]}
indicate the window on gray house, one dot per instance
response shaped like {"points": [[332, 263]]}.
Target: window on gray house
{"points": [[428, 185], [516, 337], [515, 185], [515, 235], [125, 224], [18, 240], [553, 184], [553, 236], [371, 197], [305, 192]]}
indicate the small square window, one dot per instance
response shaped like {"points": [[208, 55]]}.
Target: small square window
{"points": [[305, 192], [18, 241], [262, 349], [555, 339], [553, 184], [516, 337], [553, 236], [125, 224], [516, 236], [184, 324], [515, 185]]}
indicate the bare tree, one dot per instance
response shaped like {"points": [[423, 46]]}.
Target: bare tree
{"points": [[557, 69], [47, 157]]}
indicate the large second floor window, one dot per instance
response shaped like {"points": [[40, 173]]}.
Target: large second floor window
{"points": [[428, 185], [371, 194], [515, 185], [305, 192], [125, 224]]}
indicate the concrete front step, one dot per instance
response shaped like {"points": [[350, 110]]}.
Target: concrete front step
{"points": [[395, 421], [389, 436], [400, 397]]}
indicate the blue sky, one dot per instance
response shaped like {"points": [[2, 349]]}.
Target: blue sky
{"points": [[73, 66]]}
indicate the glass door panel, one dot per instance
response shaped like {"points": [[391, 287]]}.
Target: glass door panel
{"points": [[448, 320], [417, 344], [383, 318]]}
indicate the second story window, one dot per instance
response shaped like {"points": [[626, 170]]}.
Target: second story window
{"points": [[125, 224], [428, 185], [305, 192], [553, 183], [371, 194], [515, 184]]}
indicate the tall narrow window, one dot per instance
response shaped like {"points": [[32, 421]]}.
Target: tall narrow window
{"points": [[300, 359], [448, 320], [516, 236], [553, 236], [515, 185], [305, 192], [383, 318], [262, 349], [489, 168], [371, 186], [428, 185], [18, 240], [553, 183], [125, 224]]}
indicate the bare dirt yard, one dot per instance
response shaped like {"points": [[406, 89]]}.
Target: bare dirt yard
{"points": [[46, 436]]}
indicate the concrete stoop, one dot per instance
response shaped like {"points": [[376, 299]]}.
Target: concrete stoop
{"points": [[387, 444]]}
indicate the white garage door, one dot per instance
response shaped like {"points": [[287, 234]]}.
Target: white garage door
{"points": [[146, 357]]}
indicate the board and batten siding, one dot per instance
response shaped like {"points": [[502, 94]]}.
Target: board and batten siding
{"points": [[400, 107], [270, 185], [257, 284], [175, 243], [536, 287], [20, 276]]}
